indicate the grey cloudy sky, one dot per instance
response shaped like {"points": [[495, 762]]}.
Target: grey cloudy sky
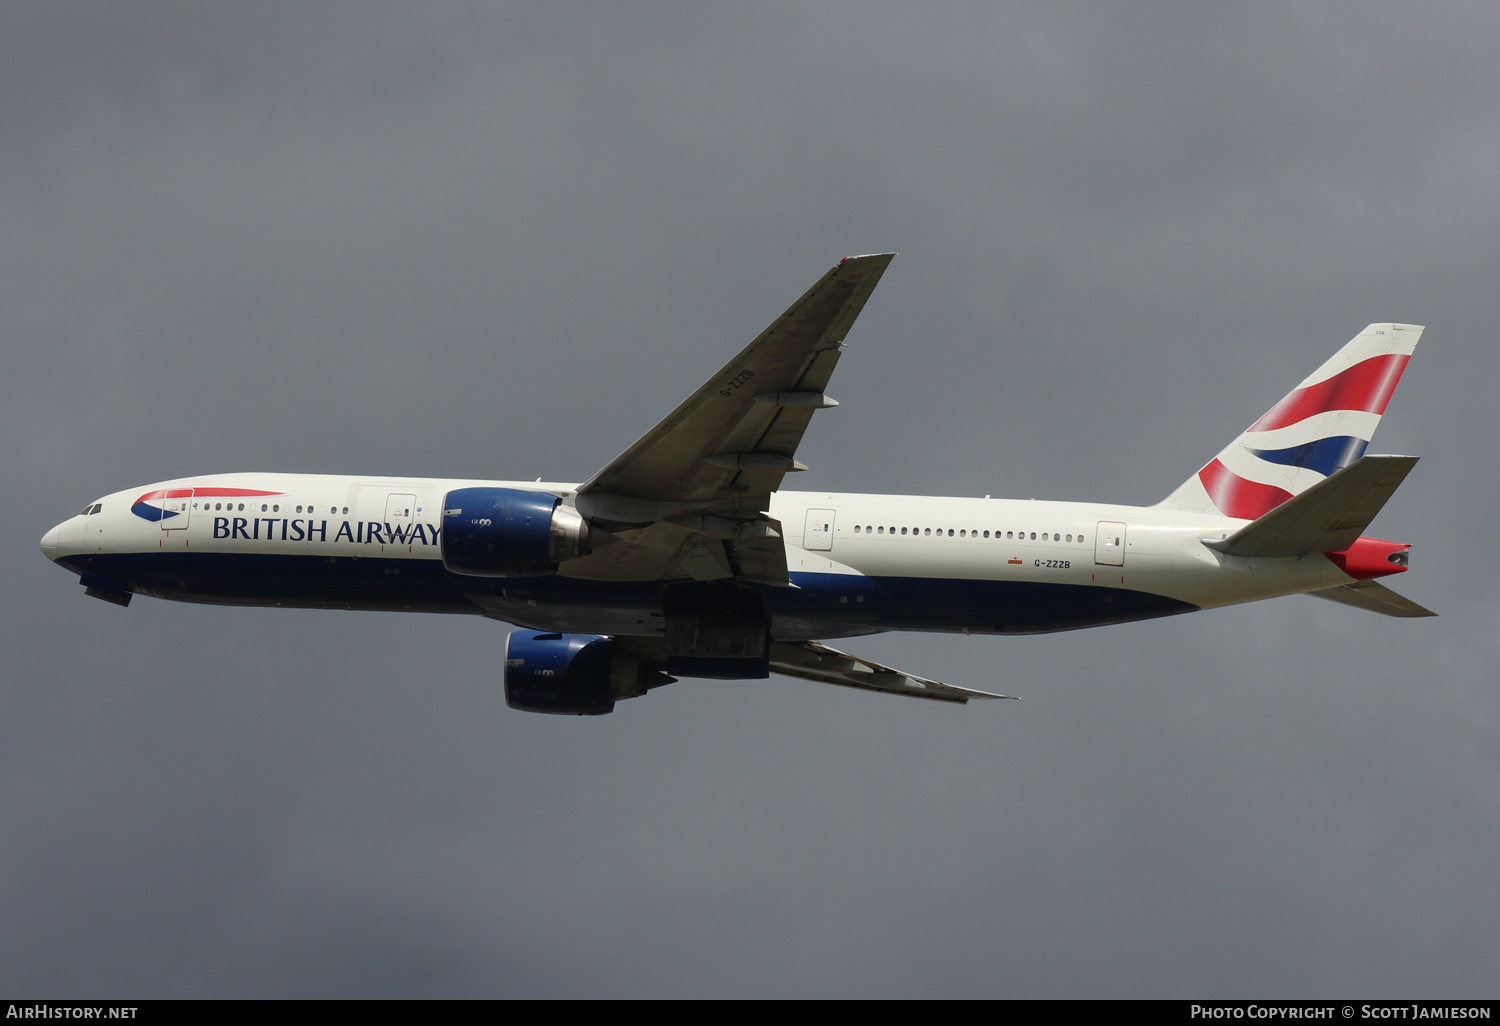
{"points": [[503, 240]]}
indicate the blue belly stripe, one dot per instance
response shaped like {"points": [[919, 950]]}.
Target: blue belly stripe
{"points": [[821, 606]]}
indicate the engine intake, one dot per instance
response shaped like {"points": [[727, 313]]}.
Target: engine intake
{"points": [[507, 532]]}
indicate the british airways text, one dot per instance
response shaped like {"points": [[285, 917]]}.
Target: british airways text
{"points": [[357, 532]]}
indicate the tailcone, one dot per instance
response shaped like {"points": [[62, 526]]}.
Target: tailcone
{"points": [[1369, 558]]}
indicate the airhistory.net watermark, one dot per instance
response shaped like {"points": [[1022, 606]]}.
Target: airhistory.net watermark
{"points": [[47, 1010]]}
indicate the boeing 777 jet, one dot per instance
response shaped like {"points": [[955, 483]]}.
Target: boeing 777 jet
{"points": [[685, 556]]}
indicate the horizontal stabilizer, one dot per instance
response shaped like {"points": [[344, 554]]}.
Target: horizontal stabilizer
{"points": [[1375, 597], [811, 661], [1328, 517]]}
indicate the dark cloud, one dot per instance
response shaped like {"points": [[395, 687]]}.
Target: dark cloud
{"points": [[479, 240]]}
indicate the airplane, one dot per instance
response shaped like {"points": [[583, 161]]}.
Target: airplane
{"points": [[685, 557]]}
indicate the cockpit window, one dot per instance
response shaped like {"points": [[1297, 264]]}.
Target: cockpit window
{"points": [[98, 506], [91, 509]]}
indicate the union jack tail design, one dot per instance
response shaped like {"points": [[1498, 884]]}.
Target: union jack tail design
{"points": [[1322, 426]]}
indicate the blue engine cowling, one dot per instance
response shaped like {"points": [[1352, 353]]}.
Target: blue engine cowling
{"points": [[507, 532], [574, 674], [559, 673]]}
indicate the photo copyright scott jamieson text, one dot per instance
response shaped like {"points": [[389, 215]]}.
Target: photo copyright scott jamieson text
{"points": [[1418, 1010], [37, 1010]]}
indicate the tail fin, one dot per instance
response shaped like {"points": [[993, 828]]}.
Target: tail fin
{"points": [[1322, 426]]}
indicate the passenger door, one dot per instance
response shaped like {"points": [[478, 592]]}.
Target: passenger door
{"points": [[178, 501], [1109, 544], [817, 534], [400, 515]]}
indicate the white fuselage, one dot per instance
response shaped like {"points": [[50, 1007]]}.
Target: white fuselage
{"points": [[227, 522]]}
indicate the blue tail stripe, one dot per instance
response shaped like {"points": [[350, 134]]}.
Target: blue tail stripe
{"points": [[1323, 455]]}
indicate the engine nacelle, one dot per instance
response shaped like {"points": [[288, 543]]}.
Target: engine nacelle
{"points": [[572, 674], [507, 532]]}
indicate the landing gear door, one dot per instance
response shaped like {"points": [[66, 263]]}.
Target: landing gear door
{"points": [[176, 509], [1109, 544], [817, 535]]}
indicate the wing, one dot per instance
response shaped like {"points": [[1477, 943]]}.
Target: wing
{"points": [[689, 499], [1375, 597], [810, 660]]}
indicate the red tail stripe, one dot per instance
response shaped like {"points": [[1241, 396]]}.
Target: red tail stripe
{"points": [[1366, 386], [1237, 497]]}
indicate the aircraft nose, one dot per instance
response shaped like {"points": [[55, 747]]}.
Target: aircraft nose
{"points": [[49, 542]]}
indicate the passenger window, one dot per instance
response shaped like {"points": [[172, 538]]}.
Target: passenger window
{"points": [[903, 530], [1070, 537], [346, 511], [1033, 536], [882, 530]]}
